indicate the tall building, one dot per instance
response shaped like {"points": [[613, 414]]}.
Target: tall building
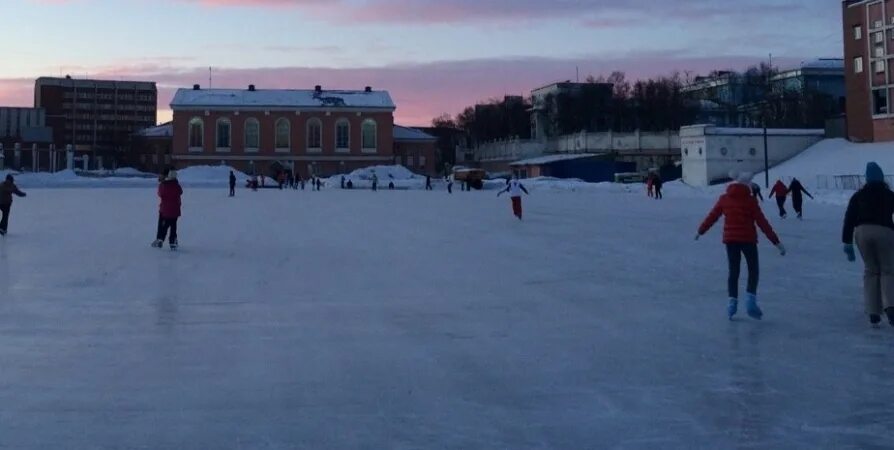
{"points": [[96, 116], [263, 131], [567, 107], [868, 48]]}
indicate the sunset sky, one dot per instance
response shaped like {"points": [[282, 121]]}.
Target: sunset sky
{"points": [[433, 55]]}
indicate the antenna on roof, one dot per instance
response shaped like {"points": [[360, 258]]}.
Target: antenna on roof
{"points": [[209, 78]]}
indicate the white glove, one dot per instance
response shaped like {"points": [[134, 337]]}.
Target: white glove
{"points": [[781, 248]]}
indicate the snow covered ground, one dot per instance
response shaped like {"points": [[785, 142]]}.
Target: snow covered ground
{"points": [[415, 319]]}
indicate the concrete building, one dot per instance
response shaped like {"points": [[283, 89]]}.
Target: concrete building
{"points": [[96, 117], [547, 105], [316, 131], [23, 132], [710, 153], [868, 50]]}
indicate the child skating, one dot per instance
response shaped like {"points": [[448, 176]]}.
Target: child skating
{"points": [[741, 212], [169, 192], [515, 189], [781, 192], [7, 189]]}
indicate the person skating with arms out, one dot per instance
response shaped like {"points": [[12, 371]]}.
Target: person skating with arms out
{"points": [[781, 192], [7, 189], [515, 189], [741, 213], [169, 192], [796, 189], [868, 220]]}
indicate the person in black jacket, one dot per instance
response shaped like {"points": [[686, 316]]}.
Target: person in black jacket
{"points": [[796, 189], [657, 184], [7, 189], [868, 220], [232, 184]]}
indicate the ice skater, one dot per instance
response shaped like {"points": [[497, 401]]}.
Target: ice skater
{"points": [[7, 189], [650, 187], [450, 184], [515, 189], [756, 192], [781, 192], [796, 189], [741, 212], [232, 184], [428, 183], [375, 182], [169, 192], [657, 184], [868, 220]]}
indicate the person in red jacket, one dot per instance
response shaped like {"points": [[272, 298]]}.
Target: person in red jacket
{"points": [[781, 192], [169, 191], [741, 212]]}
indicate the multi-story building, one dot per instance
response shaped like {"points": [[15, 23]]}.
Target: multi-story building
{"points": [[97, 117], [311, 132], [868, 51], [551, 105], [22, 129]]}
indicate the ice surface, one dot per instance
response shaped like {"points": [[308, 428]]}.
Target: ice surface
{"points": [[411, 319]]}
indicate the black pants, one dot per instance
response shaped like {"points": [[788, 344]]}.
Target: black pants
{"points": [[734, 254], [232, 190], [4, 221], [780, 202], [658, 195], [798, 204], [163, 226]]}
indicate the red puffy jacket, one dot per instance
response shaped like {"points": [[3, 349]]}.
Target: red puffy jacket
{"points": [[742, 212], [169, 192], [779, 190]]}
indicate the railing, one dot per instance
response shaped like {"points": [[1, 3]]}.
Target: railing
{"points": [[845, 182]]}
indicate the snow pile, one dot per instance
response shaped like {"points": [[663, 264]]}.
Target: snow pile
{"points": [[199, 176], [402, 178]]}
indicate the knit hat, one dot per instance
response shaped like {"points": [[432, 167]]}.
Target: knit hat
{"points": [[874, 173], [172, 175]]}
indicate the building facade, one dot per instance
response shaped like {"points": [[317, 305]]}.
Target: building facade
{"points": [[152, 149], [96, 117], [552, 104], [23, 132], [868, 51], [309, 132], [416, 150]]}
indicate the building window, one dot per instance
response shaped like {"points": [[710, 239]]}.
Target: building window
{"points": [[858, 32], [421, 161], [343, 134], [880, 67], [879, 101], [858, 64], [409, 161], [252, 131], [879, 37], [196, 133], [223, 134], [283, 132], [370, 134], [314, 134], [879, 51]]}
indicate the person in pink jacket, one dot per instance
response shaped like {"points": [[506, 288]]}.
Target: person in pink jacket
{"points": [[169, 191]]}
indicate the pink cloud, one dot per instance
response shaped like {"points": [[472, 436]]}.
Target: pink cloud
{"points": [[421, 91]]}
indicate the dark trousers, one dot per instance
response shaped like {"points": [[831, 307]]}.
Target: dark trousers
{"points": [[798, 204], [658, 194], [734, 254], [232, 190], [780, 202], [163, 226], [4, 211]]}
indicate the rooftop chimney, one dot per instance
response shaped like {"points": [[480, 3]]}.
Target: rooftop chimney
{"points": [[196, 87], [251, 88], [318, 89], [368, 89]]}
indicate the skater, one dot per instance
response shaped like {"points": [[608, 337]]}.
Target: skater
{"points": [[232, 184], [515, 190], [450, 184], [350, 185], [796, 188], [658, 183], [390, 185], [428, 183], [342, 181], [375, 180], [281, 179], [169, 191], [650, 186], [756, 192], [7, 189], [868, 220], [319, 184], [741, 213], [781, 192]]}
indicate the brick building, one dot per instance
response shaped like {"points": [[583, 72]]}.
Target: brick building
{"points": [[96, 117], [321, 132], [416, 150], [868, 48]]}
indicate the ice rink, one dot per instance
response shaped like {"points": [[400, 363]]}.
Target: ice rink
{"points": [[410, 320]]}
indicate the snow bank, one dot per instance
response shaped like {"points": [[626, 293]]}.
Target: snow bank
{"points": [[216, 175], [199, 176], [402, 178]]}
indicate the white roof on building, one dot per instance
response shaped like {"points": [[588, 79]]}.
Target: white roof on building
{"points": [[163, 130], [411, 134], [280, 98], [712, 130], [824, 63], [551, 159]]}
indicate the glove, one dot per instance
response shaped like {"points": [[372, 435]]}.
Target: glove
{"points": [[849, 251], [781, 248]]}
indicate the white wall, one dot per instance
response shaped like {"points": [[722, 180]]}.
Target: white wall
{"points": [[710, 154]]}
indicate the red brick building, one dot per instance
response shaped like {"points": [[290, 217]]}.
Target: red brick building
{"points": [[416, 150], [869, 69], [317, 131]]}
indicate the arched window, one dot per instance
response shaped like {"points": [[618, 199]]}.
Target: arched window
{"points": [[314, 134], [252, 132], [283, 132], [343, 134], [370, 135], [196, 133], [223, 133]]}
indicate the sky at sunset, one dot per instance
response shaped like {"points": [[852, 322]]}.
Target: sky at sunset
{"points": [[433, 56]]}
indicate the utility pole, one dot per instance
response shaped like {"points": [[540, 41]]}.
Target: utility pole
{"points": [[209, 78], [764, 114]]}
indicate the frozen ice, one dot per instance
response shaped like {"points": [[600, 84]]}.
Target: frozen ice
{"points": [[411, 319]]}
